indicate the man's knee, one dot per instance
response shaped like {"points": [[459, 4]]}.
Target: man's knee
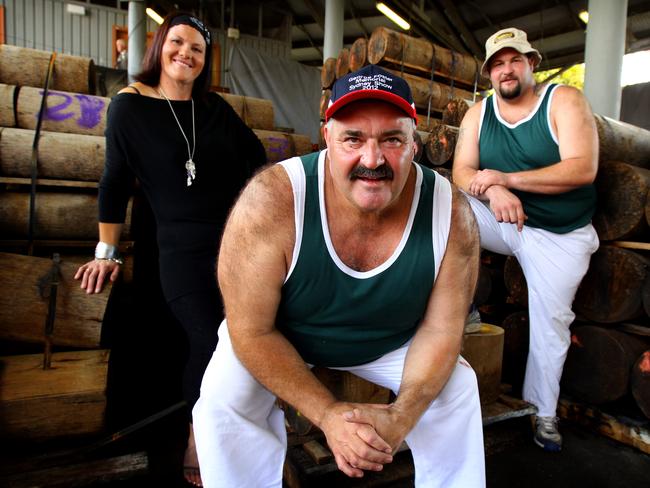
{"points": [[462, 385]]}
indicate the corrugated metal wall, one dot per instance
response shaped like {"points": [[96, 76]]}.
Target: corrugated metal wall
{"points": [[46, 25]]}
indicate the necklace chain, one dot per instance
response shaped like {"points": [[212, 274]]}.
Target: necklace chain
{"points": [[189, 165]]}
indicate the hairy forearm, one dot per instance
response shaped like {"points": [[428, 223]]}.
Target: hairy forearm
{"points": [[276, 364], [560, 177], [462, 176], [429, 362]]}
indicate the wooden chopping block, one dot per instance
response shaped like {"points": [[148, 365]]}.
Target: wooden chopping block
{"points": [[23, 311], [483, 350], [69, 399]]}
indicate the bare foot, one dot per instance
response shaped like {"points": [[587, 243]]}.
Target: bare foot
{"points": [[191, 462]]}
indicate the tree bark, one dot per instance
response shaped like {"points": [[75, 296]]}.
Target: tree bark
{"points": [[423, 89], [66, 111], [515, 281], [257, 113], [60, 156], [441, 144], [7, 116], [622, 197], [484, 352], [65, 216], [599, 362], [343, 63], [387, 46], [611, 291], [28, 67], [358, 54], [328, 73], [619, 141], [23, 309], [280, 145], [67, 400], [324, 102], [454, 112]]}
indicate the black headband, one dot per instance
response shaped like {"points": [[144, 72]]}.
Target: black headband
{"points": [[192, 22]]}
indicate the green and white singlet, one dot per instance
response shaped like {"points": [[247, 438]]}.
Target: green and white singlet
{"points": [[337, 316], [530, 144]]}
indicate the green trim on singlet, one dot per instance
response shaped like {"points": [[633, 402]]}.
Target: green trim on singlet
{"points": [[529, 145], [335, 319]]}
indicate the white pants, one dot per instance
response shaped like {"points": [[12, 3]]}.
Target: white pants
{"points": [[554, 265], [241, 436]]}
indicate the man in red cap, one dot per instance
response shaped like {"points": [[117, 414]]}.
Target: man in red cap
{"points": [[358, 259], [528, 155]]}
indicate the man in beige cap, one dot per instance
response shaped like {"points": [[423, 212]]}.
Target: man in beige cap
{"points": [[528, 156]]}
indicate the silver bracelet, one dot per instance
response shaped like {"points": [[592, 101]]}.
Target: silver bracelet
{"points": [[109, 252]]}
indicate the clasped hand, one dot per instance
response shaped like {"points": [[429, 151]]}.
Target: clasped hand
{"points": [[362, 436], [505, 205], [484, 179]]}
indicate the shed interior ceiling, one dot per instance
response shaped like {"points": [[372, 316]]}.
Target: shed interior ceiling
{"points": [[553, 26]]}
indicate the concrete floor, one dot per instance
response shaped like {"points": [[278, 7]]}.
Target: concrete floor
{"points": [[587, 460], [512, 461]]}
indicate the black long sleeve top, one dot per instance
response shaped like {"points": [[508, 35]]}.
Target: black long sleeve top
{"points": [[144, 141]]}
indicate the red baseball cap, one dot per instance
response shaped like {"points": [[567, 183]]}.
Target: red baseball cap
{"points": [[371, 82]]}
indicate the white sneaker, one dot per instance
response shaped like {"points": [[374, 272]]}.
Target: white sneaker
{"points": [[547, 435], [473, 321]]}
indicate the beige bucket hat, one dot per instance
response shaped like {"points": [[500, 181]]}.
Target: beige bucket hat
{"points": [[510, 37]]}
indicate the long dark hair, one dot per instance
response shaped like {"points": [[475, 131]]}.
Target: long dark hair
{"points": [[152, 66]]}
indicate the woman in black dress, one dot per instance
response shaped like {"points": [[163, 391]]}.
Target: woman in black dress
{"points": [[191, 154]]}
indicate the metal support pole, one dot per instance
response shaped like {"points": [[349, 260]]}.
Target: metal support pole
{"points": [[334, 17], [604, 50], [137, 36]]}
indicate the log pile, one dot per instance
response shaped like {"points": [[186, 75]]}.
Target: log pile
{"points": [[443, 83], [613, 300], [62, 393], [48, 207], [53, 394]]}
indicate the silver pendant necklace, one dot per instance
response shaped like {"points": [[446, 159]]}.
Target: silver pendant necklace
{"points": [[190, 167]]}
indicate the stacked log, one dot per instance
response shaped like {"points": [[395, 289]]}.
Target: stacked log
{"points": [[358, 54], [328, 73], [599, 366], [599, 363], [63, 393], [78, 113], [62, 156], [51, 394], [78, 317], [622, 199], [342, 63], [389, 47], [257, 113], [28, 67], [57, 215], [67, 399], [619, 141], [281, 145], [441, 143], [612, 304], [442, 81]]}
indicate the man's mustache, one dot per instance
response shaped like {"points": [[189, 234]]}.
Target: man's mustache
{"points": [[381, 172]]}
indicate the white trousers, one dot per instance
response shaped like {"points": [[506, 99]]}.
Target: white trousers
{"points": [[241, 436], [554, 265]]}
